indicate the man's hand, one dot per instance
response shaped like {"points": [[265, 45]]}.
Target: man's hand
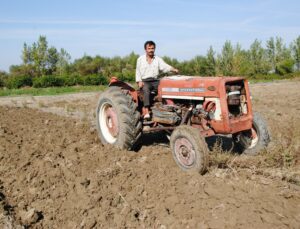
{"points": [[175, 70], [141, 84]]}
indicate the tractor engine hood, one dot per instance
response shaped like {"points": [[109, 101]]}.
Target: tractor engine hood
{"points": [[193, 87]]}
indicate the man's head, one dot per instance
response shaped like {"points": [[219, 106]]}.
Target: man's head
{"points": [[149, 48]]}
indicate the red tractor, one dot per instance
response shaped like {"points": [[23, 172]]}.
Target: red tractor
{"points": [[188, 109]]}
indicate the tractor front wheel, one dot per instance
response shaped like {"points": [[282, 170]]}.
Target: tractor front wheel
{"points": [[254, 140], [189, 149]]}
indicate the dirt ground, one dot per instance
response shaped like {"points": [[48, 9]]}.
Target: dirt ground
{"points": [[54, 172]]}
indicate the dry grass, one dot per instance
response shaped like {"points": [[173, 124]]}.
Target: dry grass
{"points": [[219, 157]]}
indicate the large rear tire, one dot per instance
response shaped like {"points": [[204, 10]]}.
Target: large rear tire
{"points": [[189, 149], [117, 119], [252, 141]]}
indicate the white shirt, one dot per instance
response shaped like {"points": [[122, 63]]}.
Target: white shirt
{"points": [[145, 70]]}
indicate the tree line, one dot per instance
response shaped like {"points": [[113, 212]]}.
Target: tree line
{"points": [[44, 66]]}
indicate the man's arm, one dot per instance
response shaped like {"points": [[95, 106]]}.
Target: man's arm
{"points": [[164, 67], [138, 75]]}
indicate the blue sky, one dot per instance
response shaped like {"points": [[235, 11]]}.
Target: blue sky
{"points": [[182, 29]]}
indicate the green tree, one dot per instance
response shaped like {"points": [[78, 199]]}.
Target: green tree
{"points": [[41, 59], [284, 59], [186, 68], [279, 56], [39, 55], [258, 61], [128, 67], [26, 54], [131, 59], [210, 64], [22, 70], [63, 61], [3, 78], [296, 52], [116, 64], [226, 59], [198, 65], [240, 61], [271, 53], [83, 66], [171, 61], [38, 59], [51, 61]]}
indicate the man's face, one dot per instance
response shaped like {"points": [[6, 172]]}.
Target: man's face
{"points": [[150, 49]]}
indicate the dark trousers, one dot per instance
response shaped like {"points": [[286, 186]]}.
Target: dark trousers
{"points": [[149, 86]]}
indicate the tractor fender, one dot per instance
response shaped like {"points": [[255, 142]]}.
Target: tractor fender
{"points": [[115, 82]]}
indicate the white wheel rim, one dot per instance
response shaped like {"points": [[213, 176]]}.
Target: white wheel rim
{"points": [[254, 140], [105, 123], [184, 152]]}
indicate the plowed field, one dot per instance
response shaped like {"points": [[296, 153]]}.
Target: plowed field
{"points": [[54, 172]]}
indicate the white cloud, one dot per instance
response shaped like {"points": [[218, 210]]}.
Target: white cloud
{"points": [[190, 25]]}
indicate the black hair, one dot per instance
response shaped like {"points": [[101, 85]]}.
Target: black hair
{"points": [[149, 43]]}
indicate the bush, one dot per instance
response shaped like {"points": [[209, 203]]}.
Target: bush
{"points": [[94, 80], [14, 82], [285, 67], [72, 80], [48, 81], [127, 75]]}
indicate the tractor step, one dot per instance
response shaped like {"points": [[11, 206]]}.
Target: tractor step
{"points": [[147, 122]]}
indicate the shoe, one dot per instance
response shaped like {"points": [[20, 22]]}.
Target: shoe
{"points": [[147, 116]]}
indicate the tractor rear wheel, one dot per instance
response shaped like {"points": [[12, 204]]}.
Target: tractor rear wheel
{"points": [[252, 141], [118, 120], [189, 149]]}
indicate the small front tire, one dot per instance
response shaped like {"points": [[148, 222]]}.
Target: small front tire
{"points": [[254, 140], [189, 149]]}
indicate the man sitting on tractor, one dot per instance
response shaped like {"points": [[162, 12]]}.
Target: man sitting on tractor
{"points": [[148, 68]]}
